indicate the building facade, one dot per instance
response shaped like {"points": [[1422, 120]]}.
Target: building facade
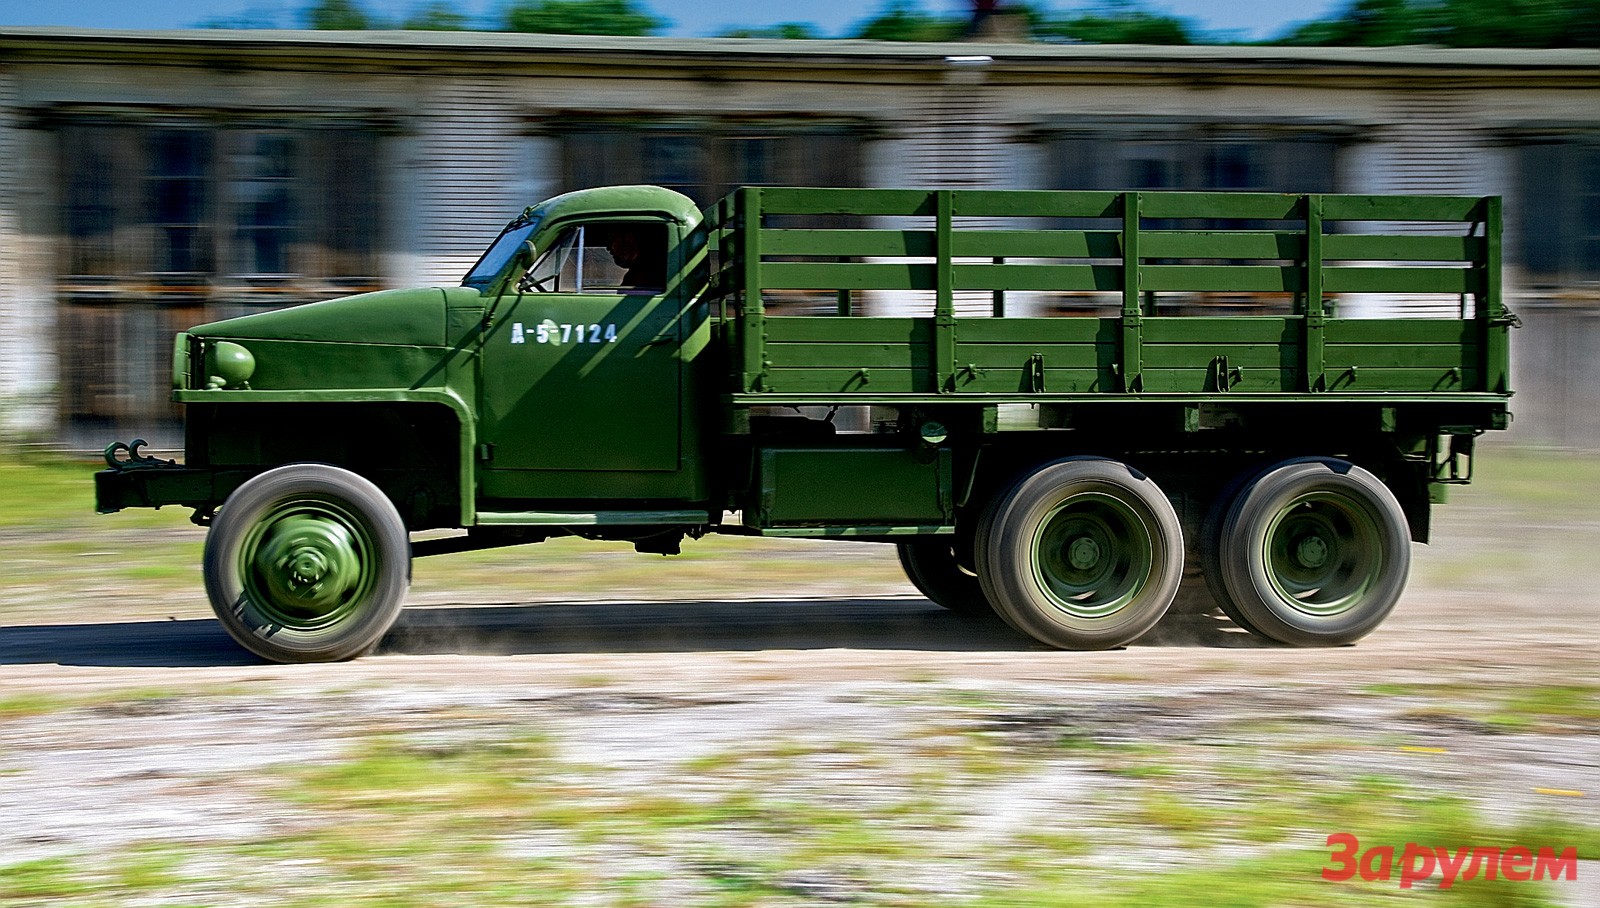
{"points": [[149, 181]]}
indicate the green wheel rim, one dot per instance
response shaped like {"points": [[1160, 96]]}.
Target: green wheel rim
{"points": [[308, 563], [1324, 554], [1092, 555]]}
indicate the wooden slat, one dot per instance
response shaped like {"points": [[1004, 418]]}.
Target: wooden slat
{"points": [[1037, 331], [850, 356], [864, 202], [1399, 356], [1385, 248], [1214, 329], [913, 243], [847, 276], [1401, 208], [1401, 331], [834, 329], [1036, 203], [1060, 244], [1222, 244], [1402, 280], [1223, 205]]}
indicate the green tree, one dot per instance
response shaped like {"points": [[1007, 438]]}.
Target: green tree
{"points": [[1456, 23], [792, 31], [582, 17], [901, 20], [337, 15], [437, 16], [1113, 22], [1366, 23]]}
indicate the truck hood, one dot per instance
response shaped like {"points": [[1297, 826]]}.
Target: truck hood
{"points": [[411, 317]]}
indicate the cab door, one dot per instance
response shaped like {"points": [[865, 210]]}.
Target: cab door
{"points": [[580, 378]]}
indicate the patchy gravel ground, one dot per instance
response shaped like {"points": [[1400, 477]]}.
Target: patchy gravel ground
{"points": [[670, 749]]}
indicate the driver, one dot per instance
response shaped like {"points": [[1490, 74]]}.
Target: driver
{"points": [[633, 246]]}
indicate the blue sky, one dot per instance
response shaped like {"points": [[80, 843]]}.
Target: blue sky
{"points": [[1238, 18]]}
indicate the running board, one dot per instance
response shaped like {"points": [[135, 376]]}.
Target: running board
{"points": [[592, 518], [851, 532]]}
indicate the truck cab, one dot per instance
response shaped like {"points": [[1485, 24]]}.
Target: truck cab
{"points": [[591, 357]]}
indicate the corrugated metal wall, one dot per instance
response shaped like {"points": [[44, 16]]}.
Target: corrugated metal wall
{"points": [[469, 173], [951, 137], [12, 340], [1430, 143]]}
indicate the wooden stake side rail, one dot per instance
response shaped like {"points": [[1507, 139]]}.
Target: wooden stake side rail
{"points": [[1147, 243]]}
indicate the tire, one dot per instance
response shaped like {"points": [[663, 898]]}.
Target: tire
{"points": [[1313, 552], [933, 568], [1084, 553], [307, 563]]}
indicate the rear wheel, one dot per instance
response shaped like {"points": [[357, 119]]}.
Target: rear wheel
{"points": [[934, 569], [307, 563], [1312, 552], [1085, 553]]}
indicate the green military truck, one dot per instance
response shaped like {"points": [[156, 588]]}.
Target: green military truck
{"points": [[841, 363]]}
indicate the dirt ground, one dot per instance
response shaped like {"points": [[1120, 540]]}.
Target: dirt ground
{"points": [[987, 769]]}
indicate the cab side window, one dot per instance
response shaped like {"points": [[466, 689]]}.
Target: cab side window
{"points": [[605, 258]]}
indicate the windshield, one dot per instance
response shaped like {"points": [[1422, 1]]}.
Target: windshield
{"points": [[494, 261]]}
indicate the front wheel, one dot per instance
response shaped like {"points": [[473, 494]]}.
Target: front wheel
{"points": [[1085, 553], [1313, 552], [307, 563]]}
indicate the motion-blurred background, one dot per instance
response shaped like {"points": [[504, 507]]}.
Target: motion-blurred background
{"points": [[287, 152]]}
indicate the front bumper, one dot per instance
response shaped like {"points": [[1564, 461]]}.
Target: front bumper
{"points": [[139, 481]]}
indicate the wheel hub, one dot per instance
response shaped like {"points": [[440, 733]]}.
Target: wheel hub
{"points": [[1083, 553], [1323, 554], [308, 564], [1312, 552], [1091, 556]]}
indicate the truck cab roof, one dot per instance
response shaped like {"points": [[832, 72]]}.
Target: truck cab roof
{"points": [[619, 200]]}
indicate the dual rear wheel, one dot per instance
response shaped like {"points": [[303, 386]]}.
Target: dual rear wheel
{"points": [[1087, 553], [1311, 552]]}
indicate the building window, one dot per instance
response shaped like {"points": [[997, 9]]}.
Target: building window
{"points": [[1558, 212], [1194, 158], [707, 159], [262, 216], [1119, 156], [170, 223], [176, 174]]}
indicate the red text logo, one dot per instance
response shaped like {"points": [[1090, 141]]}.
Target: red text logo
{"points": [[1419, 862]]}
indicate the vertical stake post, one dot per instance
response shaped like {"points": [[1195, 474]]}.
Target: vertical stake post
{"points": [[752, 320], [1315, 314], [1491, 308], [944, 309], [1132, 319]]}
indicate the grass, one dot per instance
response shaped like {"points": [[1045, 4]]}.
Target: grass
{"points": [[47, 878], [1527, 524], [1545, 704], [22, 706], [56, 492], [445, 814]]}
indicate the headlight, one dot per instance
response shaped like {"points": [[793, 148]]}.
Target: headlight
{"points": [[229, 366]]}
